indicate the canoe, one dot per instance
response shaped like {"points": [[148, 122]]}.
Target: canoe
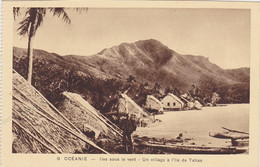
{"points": [[187, 149], [235, 131], [228, 136]]}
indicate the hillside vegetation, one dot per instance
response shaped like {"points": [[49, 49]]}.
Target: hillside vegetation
{"points": [[144, 67]]}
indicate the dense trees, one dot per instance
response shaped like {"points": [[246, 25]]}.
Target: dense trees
{"points": [[54, 75]]}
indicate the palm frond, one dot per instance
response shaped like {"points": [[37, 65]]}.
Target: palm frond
{"points": [[24, 28], [80, 10], [16, 11], [34, 17], [60, 12], [41, 12]]}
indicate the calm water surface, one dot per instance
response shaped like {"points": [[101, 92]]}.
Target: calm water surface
{"points": [[197, 124]]}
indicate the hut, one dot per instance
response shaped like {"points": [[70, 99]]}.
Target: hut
{"points": [[197, 105], [153, 104], [38, 127], [191, 105], [127, 106], [187, 104], [171, 102], [86, 118]]}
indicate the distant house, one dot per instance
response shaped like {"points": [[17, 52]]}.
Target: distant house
{"points": [[187, 104], [171, 102], [197, 105], [153, 104]]}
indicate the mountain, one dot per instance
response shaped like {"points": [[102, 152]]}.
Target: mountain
{"points": [[149, 62]]}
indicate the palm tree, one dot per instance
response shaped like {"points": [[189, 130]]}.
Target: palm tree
{"points": [[33, 20], [16, 11]]}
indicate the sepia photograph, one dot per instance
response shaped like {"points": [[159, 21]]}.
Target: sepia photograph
{"points": [[93, 80]]}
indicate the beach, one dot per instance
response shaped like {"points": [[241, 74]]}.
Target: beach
{"points": [[195, 125]]}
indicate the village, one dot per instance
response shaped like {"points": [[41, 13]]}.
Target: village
{"points": [[79, 128], [129, 95]]}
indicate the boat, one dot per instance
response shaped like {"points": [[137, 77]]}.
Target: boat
{"points": [[238, 138], [228, 136], [235, 131], [188, 149]]}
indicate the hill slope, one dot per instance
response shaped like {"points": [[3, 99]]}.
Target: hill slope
{"points": [[100, 76], [151, 61]]}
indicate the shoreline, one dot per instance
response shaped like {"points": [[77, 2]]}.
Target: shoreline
{"points": [[195, 125]]}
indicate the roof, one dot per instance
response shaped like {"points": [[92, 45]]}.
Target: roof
{"points": [[154, 98], [80, 100], [132, 102], [38, 127], [141, 110], [185, 100], [175, 97], [80, 112]]}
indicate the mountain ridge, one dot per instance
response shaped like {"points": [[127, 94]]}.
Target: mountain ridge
{"points": [[149, 62], [152, 53]]}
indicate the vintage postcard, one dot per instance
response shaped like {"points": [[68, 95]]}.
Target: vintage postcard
{"points": [[130, 83]]}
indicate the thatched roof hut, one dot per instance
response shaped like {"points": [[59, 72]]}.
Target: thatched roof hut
{"points": [[38, 127], [127, 106], [84, 116], [152, 103]]}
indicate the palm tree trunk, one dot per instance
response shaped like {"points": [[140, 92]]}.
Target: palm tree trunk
{"points": [[30, 51], [30, 59]]}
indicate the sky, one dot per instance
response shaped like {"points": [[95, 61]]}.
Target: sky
{"points": [[222, 35]]}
